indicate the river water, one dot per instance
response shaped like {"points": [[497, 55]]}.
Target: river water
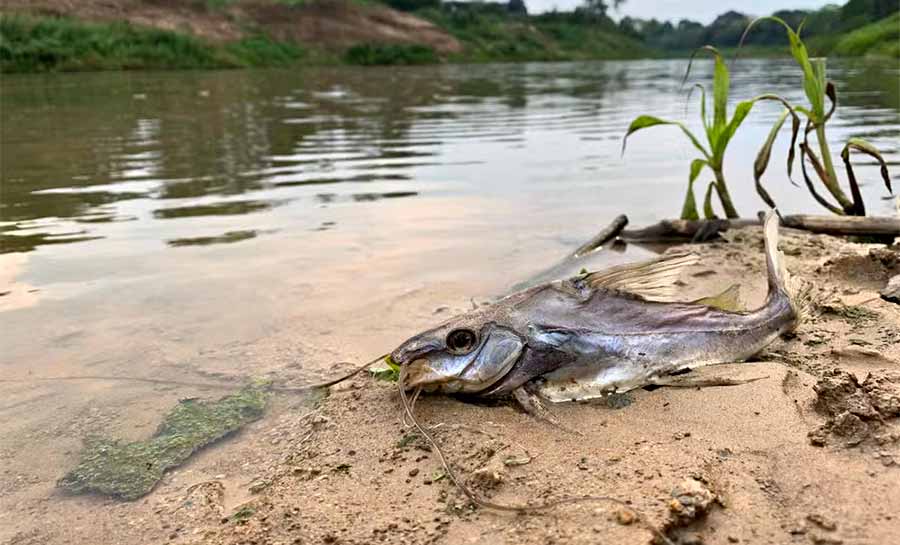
{"points": [[213, 226]]}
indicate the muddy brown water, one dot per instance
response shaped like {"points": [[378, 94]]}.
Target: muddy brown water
{"points": [[213, 226]]}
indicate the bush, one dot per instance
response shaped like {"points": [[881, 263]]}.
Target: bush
{"points": [[386, 54], [39, 44], [881, 38]]}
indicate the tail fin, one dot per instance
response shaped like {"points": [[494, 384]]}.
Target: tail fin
{"points": [[780, 280]]}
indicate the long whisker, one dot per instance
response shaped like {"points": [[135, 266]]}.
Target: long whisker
{"points": [[412, 404], [474, 498], [222, 386]]}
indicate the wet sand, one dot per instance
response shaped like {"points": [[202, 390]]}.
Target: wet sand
{"points": [[803, 455]]}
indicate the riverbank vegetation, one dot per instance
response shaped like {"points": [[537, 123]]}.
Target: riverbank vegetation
{"points": [[492, 32], [872, 23], [879, 38], [51, 35], [38, 44]]}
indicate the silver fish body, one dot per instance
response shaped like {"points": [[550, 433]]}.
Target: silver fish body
{"points": [[592, 334]]}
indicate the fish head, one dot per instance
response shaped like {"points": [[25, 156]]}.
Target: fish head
{"points": [[461, 356]]}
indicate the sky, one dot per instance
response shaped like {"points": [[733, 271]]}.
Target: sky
{"points": [[698, 10]]}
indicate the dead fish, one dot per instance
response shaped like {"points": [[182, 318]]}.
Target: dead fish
{"points": [[596, 333]]}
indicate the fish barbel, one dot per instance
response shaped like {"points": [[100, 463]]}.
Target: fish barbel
{"points": [[600, 332]]}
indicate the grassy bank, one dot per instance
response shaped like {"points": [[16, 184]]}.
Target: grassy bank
{"points": [[39, 44], [490, 37], [877, 39]]}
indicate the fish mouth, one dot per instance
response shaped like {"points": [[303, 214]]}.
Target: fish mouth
{"points": [[420, 373]]}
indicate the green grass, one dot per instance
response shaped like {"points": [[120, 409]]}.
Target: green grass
{"points": [[881, 38], [41, 44], [489, 37], [389, 54]]}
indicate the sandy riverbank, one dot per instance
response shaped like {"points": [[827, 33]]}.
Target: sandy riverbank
{"points": [[808, 454]]}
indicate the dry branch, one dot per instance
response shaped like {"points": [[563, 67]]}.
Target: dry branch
{"points": [[699, 230]]}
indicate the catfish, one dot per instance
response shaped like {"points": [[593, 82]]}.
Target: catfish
{"points": [[598, 333]]}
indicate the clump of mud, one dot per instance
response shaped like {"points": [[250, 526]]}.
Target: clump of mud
{"points": [[872, 270], [857, 411], [691, 501]]}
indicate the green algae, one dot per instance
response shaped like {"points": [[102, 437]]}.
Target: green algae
{"points": [[130, 470]]}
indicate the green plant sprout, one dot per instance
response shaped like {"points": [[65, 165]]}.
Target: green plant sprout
{"points": [[719, 132], [817, 89]]}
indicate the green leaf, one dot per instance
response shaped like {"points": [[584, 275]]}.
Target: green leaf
{"points": [[720, 91], [818, 88], [804, 111], [702, 104], [646, 121], [863, 146], [804, 152], [813, 73], [708, 211], [390, 372], [689, 208], [795, 131], [740, 113], [696, 166], [762, 159]]}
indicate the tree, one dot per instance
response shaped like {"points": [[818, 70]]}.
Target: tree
{"points": [[517, 7], [595, 8], [413, 5]]}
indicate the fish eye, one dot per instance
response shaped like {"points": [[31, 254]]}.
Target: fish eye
{"points": [[461, 341]]}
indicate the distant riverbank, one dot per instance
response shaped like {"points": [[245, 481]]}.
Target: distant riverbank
{"points": [[48, 35]]}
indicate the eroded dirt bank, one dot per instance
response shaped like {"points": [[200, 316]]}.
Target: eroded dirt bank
{"points": [[324, 24], [807, 454]]}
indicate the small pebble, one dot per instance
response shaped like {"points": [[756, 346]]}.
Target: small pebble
{"points": [[625, 517]]}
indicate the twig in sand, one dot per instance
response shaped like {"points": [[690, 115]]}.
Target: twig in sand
{"points": [[474, 498]]}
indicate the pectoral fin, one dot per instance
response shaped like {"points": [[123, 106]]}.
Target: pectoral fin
{"points": [[533, 405], [682, 382], [729, 300], [654, 279]]}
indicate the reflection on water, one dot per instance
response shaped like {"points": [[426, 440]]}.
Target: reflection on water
{"points": [[84, 151], [216, 209], [230, 236]]}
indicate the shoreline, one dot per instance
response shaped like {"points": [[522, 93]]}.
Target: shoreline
{"points": [[319, 34], [785, 458]]}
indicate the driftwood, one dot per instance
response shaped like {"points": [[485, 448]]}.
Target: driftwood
{"points": [[866, 226], [682, 230], [679, 231], [891, 292], [700, 230], [604, 236]]}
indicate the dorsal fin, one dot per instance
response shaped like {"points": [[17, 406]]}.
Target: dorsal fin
{"points": [[729, 299], [653, 279]]}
